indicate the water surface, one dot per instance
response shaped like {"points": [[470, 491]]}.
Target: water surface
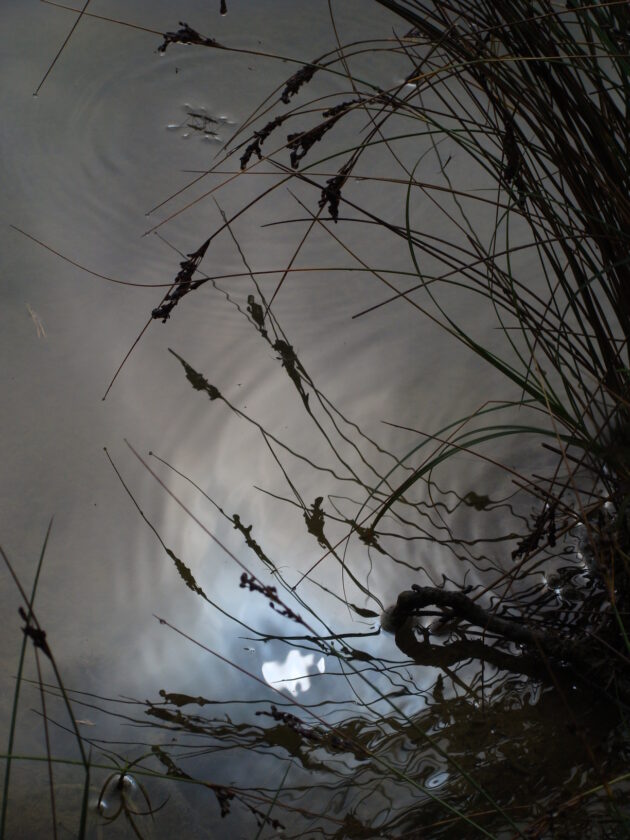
{"points": [[114, 131]]}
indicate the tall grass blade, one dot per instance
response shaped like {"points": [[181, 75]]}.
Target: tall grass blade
{"points": [[16, 693]]}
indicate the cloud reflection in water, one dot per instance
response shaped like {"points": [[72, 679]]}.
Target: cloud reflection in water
{"points": [[292, 674]]}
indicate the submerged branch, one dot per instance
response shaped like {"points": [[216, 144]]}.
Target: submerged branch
{"points": [[459, 605]]}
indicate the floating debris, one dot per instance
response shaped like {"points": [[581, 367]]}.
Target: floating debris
{"points": [[246, 531], [187, 35], [250, 582], [545, 525], [183, 283], [293, 367], [362, 611], [257, 313], [39, 326], [199, 382], [366, 535], [259, 139], [476, 501], [314, 519], [302, 77], [203, 123], [185, 574], [300, 142], [315, 734], [200, 121], [182, 699], [37, 635], [331, 194]]}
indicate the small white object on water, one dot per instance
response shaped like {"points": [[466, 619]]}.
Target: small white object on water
{"points": [[119, 792], [39, 326], [436, 780]]}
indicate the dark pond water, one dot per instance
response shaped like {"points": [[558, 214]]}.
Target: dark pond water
{"points": [[297, 447]]}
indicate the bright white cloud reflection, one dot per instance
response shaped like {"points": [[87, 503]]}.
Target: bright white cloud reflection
{"points": [[293, 673]]}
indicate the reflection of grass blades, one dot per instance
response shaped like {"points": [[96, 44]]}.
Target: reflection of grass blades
{"points": [[557, 156], [451, 446], [463, 443], [272, 803], [428, 738], [428, 438], [33, 630], [378, 759], [433, 742], [16, 693]]}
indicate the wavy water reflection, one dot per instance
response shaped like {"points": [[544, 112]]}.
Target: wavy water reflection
{"points": [[280, 432]]}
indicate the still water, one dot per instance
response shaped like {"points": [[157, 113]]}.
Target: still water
{"points": [[89, 168]]}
